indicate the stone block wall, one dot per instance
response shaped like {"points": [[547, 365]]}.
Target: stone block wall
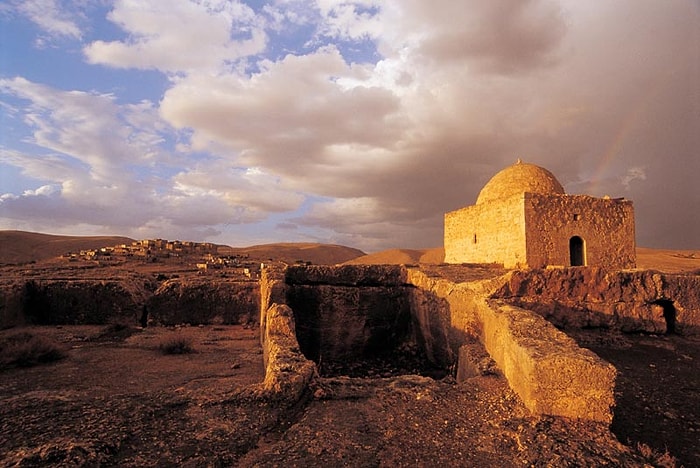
{"points": [[605, 225], [70, 302], [546, 368], [492, 232], [533, 230], [201, 301]]}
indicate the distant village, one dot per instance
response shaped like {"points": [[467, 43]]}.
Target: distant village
{"points": [[203, 254]]}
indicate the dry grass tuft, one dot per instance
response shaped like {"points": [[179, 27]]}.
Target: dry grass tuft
{"points": [[26, 349], [178, 343], [661, 460]]}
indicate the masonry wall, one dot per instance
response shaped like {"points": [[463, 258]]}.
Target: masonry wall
{"points": [[605, 225], [574, 298], [492, 232], [546, 368]]}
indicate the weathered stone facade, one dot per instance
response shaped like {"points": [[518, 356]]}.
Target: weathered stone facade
{"points": [[523, 218]]}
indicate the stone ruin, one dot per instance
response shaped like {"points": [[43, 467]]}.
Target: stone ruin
{"points": [[315, 316], [427, 319]]}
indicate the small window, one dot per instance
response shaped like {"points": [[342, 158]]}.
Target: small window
{"points": [[474, 241], [577, 217]]}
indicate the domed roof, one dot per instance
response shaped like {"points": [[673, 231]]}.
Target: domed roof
{"points": [[520, 178]]}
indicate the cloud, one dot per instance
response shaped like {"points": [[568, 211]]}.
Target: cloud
{"points": [[463, 89], [362, 122], [287, 118], [105, 163], [502, 36], [350, 20], [52, 16], [179, 35], [634, 173]]}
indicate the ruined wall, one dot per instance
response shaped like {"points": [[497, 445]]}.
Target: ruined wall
{"points": [[596, 297], [352, 310], [547, 369], [78, 302], [70, 302], [491, 232], [287, 371], [605, 225], [202, 301], [349, 312]]}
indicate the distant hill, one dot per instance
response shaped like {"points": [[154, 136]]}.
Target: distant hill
{"points": [[317, 254], [21, 246], [669, 261], [401, 256]]}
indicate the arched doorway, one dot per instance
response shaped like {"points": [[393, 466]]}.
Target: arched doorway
{"points": [[577, 251]]}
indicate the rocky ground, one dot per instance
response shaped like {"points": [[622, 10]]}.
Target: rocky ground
{"points": [[657, 390], [116, 400]]}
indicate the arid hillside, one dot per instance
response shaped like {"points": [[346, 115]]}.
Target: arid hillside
{"points": [[22, 246], [318, 254], [669, 261], [401, 256]]}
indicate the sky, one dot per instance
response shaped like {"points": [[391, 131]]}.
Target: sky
{"points": [[357, 123]]}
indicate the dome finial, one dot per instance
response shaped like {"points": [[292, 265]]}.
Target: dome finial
{"points": [[519, 161]]}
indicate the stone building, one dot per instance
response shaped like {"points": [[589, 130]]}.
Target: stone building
{"points": [[524, 219]]}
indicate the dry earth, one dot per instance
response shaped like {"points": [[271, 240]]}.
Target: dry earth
{"points": [[120, 402]]}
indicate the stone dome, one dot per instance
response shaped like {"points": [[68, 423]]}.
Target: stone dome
{"points": [[520, 178]]}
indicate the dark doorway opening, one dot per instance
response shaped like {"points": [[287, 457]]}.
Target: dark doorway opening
{"points": [[577, 251], [669, 314]]}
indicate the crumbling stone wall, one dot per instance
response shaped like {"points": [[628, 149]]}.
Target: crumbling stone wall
{"points": [[631, 301], [546, 368], [78, 302], [549, 371], [287, 371], [349, 312], [202, 301], [69, 302]]}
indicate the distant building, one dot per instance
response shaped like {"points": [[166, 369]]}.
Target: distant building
{"points": [[523, 219]]}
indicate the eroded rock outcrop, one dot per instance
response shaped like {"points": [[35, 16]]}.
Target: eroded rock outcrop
{"points": [[128, 300], [71, 302], [202, 301], [645, 301]]}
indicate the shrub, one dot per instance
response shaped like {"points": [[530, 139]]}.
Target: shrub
{"points": [[178, 343], [119, 331], [25, 349]]}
